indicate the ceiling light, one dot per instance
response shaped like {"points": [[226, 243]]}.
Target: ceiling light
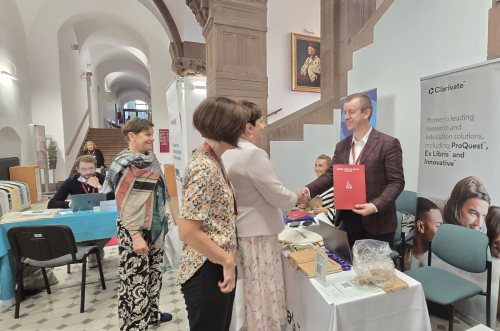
{"points": [[7, 75]]}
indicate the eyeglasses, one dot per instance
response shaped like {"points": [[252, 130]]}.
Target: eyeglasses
{"points": [[86, 169]]}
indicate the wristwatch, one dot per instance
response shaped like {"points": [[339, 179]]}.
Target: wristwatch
{"points": [[99, 187]]}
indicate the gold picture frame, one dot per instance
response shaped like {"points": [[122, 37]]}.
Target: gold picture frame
{"points": [[310, 81]]}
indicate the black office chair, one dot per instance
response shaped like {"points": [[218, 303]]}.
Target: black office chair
{"points": [[48, 246]]}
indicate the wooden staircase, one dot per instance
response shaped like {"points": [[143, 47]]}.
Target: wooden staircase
{"points": [[109, 141]]}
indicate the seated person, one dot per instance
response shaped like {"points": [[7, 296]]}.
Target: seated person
{"points": [[86, 181], [326, 206]]}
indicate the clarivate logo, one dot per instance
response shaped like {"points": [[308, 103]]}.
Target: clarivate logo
{"points": [[440, 89]]}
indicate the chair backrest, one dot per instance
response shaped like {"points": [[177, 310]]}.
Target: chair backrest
{"points": [[399, 230], [461, 247], [42, 242], [407, 202]]}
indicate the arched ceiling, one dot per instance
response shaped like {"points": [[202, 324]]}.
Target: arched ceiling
{"points": [[120, 55], [117, 40]]}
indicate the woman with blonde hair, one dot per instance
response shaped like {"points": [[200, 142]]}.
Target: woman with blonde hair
{"points": [[261, 198], [91, 149]]}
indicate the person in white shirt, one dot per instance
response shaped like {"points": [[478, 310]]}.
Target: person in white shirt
{"points": [[260, 197], [327, 199]]}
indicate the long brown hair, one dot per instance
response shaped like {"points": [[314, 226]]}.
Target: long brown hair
{"points": [[85, 147], [468, 188]]}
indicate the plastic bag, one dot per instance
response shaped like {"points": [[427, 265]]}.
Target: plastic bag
{"points": [[372, 262], [173, 246]]}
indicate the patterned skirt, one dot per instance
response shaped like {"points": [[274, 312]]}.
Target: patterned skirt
{"points": [[259, 266]]}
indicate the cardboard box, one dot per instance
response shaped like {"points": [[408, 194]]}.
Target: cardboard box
{"points": [[31, 176]]}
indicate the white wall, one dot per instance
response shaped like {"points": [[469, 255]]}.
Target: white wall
{"points": [[15, 96], [415, 39], [192, 139], [294, 160], [73, 90], [283, 18], [161, 76]]}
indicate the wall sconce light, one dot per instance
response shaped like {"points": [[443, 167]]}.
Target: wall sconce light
{"points": [[5, 74]]}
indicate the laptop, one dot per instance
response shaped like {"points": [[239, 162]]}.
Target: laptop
{"points": [[335, 240], [88, 201]]}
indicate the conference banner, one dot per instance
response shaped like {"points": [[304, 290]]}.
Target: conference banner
{"points": [[176, 135], [457, 180]]}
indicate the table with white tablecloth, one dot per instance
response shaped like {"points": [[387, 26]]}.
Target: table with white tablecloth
{"points": [[307, 310]]}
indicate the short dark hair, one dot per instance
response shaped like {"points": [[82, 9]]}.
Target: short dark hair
{"points": [[255, 111], [136, 125], [364, 102], [424, 206], [221, 119], [493, 223], [325, 157], [468, 188], [85, 159]]}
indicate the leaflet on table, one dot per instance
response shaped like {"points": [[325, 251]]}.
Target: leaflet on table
{"points": [[343, 288]]}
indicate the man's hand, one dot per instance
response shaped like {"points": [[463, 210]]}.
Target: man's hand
{"points": [[365, 209], [140, 245], [102, 169], [93, 181], [303, 195]]}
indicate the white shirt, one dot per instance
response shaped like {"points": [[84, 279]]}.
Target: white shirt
{"points": [[313, 67], [358, 146]]}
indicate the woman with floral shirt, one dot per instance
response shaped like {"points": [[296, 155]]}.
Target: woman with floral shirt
{"points": [[207, 224]]}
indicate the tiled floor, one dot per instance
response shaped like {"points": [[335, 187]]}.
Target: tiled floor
{"points": [[61, 309]]}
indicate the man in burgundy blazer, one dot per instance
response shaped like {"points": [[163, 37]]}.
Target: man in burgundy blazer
{"points": [[382, 157]]}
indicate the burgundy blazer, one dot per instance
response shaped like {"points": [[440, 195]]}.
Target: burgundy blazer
{"points": [[383, 160]]}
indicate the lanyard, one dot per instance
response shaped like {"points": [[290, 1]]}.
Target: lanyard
{"points": [[211, 151], [92, 152], [354, 154], [86, 191]]}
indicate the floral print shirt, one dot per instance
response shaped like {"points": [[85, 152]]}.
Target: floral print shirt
{"points": [[206, 197]]}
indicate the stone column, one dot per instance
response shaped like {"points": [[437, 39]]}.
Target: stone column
{"points": [[494, 30], [235, 38]]}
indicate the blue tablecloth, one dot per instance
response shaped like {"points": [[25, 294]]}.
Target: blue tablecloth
{"points": [[86, 225]]}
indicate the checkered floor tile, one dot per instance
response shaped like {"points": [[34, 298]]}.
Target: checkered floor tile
{"points": [[61, 309]]}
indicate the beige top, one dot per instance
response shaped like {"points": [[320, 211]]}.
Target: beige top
{"points": [[259, 193]]}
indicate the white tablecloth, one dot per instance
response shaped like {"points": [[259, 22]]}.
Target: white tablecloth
{"points": [[307, 310]]}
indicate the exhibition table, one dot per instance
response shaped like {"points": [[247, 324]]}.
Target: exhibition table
{"points": [[86, 225], [404, 309]]}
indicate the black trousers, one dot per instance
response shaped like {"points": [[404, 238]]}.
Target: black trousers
{"points": [[355, 230], [208, 308]]}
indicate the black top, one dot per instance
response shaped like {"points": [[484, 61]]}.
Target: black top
{"points": [[73, 186], [97, 154]]}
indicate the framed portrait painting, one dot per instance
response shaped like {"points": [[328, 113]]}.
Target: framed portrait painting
{"points": [[306, 63]]}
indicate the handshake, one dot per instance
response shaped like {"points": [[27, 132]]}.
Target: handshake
{"points": [[303, 195]]}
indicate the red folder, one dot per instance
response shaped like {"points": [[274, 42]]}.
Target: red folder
{"points": [[349, 185]]}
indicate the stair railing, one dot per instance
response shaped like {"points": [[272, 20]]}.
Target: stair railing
{"points": [[78, 132]]}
